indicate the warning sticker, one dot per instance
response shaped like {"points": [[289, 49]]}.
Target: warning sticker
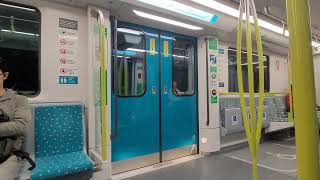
{"points": [[64, 60], [68, 70], [165, 48], [152, 46]]}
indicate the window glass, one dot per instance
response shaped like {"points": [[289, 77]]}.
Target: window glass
{"points": [[182, 67], [130, 63], [233, 77], [19, 45]]}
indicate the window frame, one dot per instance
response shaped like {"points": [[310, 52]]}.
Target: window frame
{"points": [[37, 10], [116, 90], [267, 74], [194, 66]]}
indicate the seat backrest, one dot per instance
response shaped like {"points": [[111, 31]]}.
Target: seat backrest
{"points": [[227, 103], [58, 129], [281, 107], [273, 115]]}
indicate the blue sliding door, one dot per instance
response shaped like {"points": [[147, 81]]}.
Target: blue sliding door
{"points": [[154, 102], [178, 96]]}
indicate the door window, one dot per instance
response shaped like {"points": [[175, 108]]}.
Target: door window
{"points": [[182, 67], [131, 55]]}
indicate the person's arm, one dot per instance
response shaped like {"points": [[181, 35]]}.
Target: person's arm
{"points": [[22, 115]]}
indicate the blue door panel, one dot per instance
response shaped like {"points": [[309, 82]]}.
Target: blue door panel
{"points": [[179, 113], [138, 117]]}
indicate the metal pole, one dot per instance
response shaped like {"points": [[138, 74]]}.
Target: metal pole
{"points": [[303, 90]]}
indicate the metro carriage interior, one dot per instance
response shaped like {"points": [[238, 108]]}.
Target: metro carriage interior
{"points": [[150, 89]]}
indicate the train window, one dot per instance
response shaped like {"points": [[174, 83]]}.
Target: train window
{"points": [[19, 45], [233, 77], [182, 67], [130, 63]]}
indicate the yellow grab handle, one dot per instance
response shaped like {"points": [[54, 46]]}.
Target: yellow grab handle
{"points": [[252, 128]]}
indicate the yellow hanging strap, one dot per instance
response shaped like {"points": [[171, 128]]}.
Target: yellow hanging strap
{"points": [[103, 88], [252, 128]]}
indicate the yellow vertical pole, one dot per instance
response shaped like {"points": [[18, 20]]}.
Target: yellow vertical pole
{"points": [[103, 84], [103, 92], [304, 90]]}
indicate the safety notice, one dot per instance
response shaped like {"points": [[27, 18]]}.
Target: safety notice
{"points": [[68, 49]]}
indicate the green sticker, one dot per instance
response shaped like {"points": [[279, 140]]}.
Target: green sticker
{"points": [[213, 69], [214, 99], [213, 44]]}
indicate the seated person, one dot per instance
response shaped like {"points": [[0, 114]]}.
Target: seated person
{"points": [[14, 116]]}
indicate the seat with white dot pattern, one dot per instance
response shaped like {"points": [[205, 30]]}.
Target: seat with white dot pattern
{"points": [[59, 137]]}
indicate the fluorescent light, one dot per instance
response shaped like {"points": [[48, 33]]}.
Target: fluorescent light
{"points": [[166, 20], [183, 9], [18, 32], [180, 56], [247, 63], [136, 50], [269, 26], [235, 13], [124, 57], [129, 31], [140, 50], [17, 7], [219, 7]]}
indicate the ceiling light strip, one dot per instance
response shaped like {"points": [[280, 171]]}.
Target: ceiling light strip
{"points": [[166, 20], [17, 7], [183, 9]]}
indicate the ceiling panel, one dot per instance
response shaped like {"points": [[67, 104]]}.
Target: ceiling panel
{"points": [[278, 9]]}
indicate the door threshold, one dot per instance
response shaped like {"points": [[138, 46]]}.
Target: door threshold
{"points": [[155, 167]]}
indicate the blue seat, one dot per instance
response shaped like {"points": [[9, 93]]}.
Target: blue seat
{"points": [[59, 147]]}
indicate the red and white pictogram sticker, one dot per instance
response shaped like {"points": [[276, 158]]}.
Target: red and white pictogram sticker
{"points": [[63, 51], [63, 60], [63, 70], [63, 41]]}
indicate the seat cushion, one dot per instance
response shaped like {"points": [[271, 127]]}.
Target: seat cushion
{"points": [[61, 165]]}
